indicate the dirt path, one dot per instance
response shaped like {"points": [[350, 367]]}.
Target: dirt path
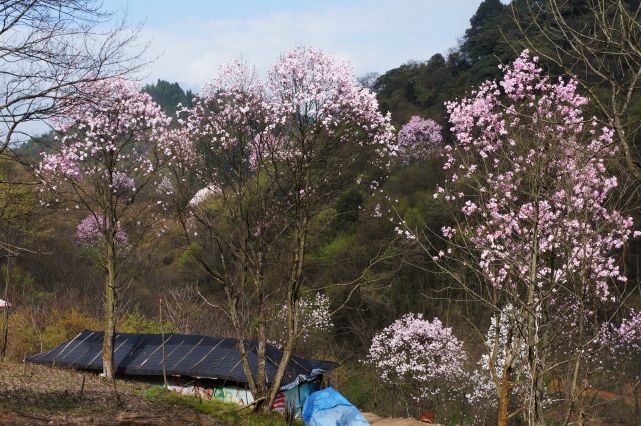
{"points": [[375, 420]]}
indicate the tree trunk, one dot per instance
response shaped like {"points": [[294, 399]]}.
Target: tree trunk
{"points": [[108, 368], [293, 294], [162, 342], [637, 412], [262, 337], [574, 392], [535, 407], [534, 399], [504, 397], [5, 312], [240, 341], [282, 367]]}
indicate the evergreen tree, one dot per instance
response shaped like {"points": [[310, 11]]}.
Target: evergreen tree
{"points": [[168, 96]]}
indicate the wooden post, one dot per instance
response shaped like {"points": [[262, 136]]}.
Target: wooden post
{"points": [[162, 336], [82, 388]]}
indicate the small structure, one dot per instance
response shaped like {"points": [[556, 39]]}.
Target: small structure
{"points": [[4, 304], [203, 366]]}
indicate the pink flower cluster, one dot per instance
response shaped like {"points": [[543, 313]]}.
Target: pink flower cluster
{"points": [[530, 176], [413, 350], [325, 92], [121, 182], [623, 342], [418, 138], [116, 136], [308, 102], [91, 231]]}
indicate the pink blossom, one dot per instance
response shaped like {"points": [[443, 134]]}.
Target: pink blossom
{"points": [[413, 350], [91, 231], [99, 134], [122, 182], [418, 138], [540, 183], [112, 141]]}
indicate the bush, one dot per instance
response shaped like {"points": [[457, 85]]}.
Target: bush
{"points": [[34, 329], [136, 322], [227, 412]]}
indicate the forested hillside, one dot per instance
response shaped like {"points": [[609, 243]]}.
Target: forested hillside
{"points": [[340, 230], [422, 86]]}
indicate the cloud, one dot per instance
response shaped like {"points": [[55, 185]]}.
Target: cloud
{"points": [[372, 35]]}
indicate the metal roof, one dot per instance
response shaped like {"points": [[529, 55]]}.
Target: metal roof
{"points": [[185, 355]]}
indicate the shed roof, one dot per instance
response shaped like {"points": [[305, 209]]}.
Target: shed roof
{"points": [[185, 355]]}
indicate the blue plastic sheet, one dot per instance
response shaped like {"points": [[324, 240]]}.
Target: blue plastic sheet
{"points": [[328, 407]]}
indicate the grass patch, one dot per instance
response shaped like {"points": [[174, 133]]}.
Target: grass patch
{"points": [[226, 412]]}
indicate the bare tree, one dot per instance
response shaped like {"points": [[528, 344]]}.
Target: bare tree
{"points": [[48, 48], [184, 308], [597, 42]]}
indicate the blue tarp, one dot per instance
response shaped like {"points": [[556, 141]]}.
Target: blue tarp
{"points": [[328, 407]]}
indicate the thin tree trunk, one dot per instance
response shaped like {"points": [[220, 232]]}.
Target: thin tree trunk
{"points": [[162, 337], [240, 341], [293, 291], [108, 367], [5, 313], [282, 366], [573, 393], [637, 412], [534, 401], [262, 336]]}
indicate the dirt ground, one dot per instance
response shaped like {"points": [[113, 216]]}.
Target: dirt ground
{"points": [[375, 420], [37, 395]]}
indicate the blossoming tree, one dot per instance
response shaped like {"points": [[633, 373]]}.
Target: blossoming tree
{"points": [[315, 319], [268, 157], [113, 146], [536, 227], [421, 356], [621, 354], [418, 138]]}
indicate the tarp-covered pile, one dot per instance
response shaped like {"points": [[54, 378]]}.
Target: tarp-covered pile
{"points": [[328, 407]]}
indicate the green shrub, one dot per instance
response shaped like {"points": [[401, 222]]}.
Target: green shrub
{"points": [[136, 322], [227, 412], [34, 329]]}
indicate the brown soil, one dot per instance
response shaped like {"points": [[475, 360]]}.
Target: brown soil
{"points": [[375, 420], [37, 395]]}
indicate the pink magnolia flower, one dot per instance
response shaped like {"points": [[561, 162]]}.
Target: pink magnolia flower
{"points": [[116, 133], [91, 231], [418, 138], [535, 182], [413, 350]]}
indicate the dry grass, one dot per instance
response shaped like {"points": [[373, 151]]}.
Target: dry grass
{"points": [[34, 395]]}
